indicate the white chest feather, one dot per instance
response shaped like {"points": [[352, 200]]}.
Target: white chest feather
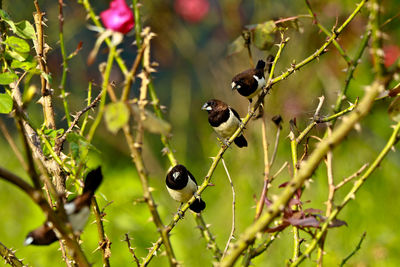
{"points": [[78, 220], [184, 194], [226, 129], [261, 84]]}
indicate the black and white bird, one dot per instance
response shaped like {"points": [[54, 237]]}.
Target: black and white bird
{"points": [[77, 211], [249, 82], [224, 120], [182, 185]]}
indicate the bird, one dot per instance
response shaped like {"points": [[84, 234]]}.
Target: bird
{"points": [[249, 82], [182, 185], [77, 211], [224, 120]]}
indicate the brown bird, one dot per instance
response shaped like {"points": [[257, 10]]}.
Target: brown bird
{"points": [[77, 211], [249, 82], [224, 120]]}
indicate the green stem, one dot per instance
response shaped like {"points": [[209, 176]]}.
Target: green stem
{"points": [[351, 69], [65, 63], [376, 45], [85, 118], [96, 22], [351, 195], [328, 33], [106, 77], [322, 49], [303, 174]]}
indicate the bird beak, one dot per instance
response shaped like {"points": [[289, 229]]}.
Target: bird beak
{"points": [[28, 241], [206, 107]]}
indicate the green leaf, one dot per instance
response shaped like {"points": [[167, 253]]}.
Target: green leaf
{"points": [[25, 30], [4, 15], [17, 44], [394, 109], [116, 116], [236, 46], [6, 103], [152, 123], [53, 133], [81, 149], [25, 65], [51, 136], [8, 77], [264, 35], [48, 77], [10, 54]]}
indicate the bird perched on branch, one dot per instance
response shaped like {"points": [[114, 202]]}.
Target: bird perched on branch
{"points": [[182, 185], [249, 82], [224, 120], [77, 211]]}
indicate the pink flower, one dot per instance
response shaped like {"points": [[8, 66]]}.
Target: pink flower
{"points": [[192, 10], [118, 17], [392, 53]]}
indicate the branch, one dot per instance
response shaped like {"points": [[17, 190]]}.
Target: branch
{"points": [[60, 141], [65, 61], [131, 250], [204, 229], [9, 256], [322, 28], [104, 243], [357, 248], [304, 173], [231, 236], [59, 225], [46, 99], [351, 195]]}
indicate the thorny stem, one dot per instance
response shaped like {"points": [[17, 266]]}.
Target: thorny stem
{"points": [[231, 236], [104, 86], [9, 256], [351, 194], [260, 204], [211, 244], [329, 203], [322, 28], [85, 118], [131, 250], [350, 71], [304, 173], [65, 61], [376, 45], [104, 243], [267, 218], [46, 100], [357, 248], [321, 50], [59, 225], [155, 101], [304, 133], [96, 22]]}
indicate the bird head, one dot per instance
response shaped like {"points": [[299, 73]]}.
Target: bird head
{"points": [[236, 84], [213, 105]]}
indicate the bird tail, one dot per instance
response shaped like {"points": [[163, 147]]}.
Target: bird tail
{"points": [[198, 205], [240, 141], [260, 64], [93, 180], [270, 61]]}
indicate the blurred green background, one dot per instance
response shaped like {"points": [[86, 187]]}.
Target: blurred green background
{"points": [[195, 67]]}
